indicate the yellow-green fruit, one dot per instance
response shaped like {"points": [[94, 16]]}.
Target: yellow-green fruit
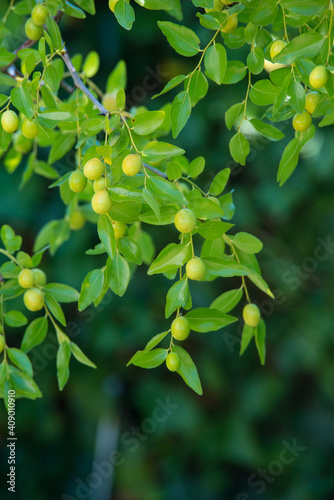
{"points": [[29, 129], [251, 314], [276, 47], [302, 121], [22, 144], [217, 6], [131, 165], [231, 24], [39, 277], [195, 269], [173, 362], [101, 202], [77, 181], [318, 77], [2, 343], [100, 184], [119, 229], [33, 32], [93, 169], [26, 278], [185, 220], [311, 101], [77, 220], [39, 15], [9, 121], [180, 328], [109, 102], [33, 299]]}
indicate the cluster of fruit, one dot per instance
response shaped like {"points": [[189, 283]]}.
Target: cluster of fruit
{"points": [[33, 280], [318, 79], [10, 123], [35, 23]]}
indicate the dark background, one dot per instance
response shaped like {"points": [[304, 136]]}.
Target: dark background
{"points": [[216, 446]]}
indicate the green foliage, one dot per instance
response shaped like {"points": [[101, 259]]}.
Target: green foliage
{"points": [[109, 133]]}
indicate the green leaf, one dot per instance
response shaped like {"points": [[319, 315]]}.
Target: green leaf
{"points": [[23, 384], [170, 258], [260, 340], [151, 201], [198, 87], [34, 334], [188, 370], [22, 100], [57, 116], [54, 33], [6, 57], [55, 308], [118, 274], [117, 78], [217, 266], [205, 319], [15, 319], [151, 359], [264, 13], [288, 161], [106, 234], [233, 113], [247, 243], [174, 82], [20, 359], [155, 340], [307, 45], [205, 209], [62, 293], [87, 5], [63, 359], [91, 64], [158, 151], [61, 145], [219, 182], [212, 230], [297, 96], [196, 167], [80, 356], [215, 61], [174, 171], [130, 250], [255, 61], [165, 190], [182, 39], [91, 288], [263, 93], [227, 300], [305, 8], [235, 72], [167, 214], [147, 122], [180, 112], [269, 131], [239, 148], [10, 240], [248, 333], [177, 296]]}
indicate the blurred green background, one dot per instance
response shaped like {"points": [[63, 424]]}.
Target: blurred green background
{"points": [[256, 431]]}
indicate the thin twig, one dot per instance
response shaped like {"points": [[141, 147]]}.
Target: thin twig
{"points": [[155, 171]]}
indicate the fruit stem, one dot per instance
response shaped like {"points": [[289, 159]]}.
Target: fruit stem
{"points": [[10, 6], [194, 185]]}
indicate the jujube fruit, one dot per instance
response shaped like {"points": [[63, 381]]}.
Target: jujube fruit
{"points": [[26, 278], [251, 314], [195, 269], [33, 32], [119, 229], [318, 77], [109, 102], [185, 220], [93, 169], [101, 202], [311, 101], [9, 121], [39, 15], [100, 184], [2, 343], [180, 328], [173, 362], [33, 299], [231, 25], [302, 121], [77, 220], [29, 129], [39, 277], [131, 165], [77, 181], [276, 47]]}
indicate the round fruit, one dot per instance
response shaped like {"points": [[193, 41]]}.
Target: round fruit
{"points": [[232, 23], [131, 165], [77, 220], [9, 121], [318, 77], [195, 269], [33, 299], [101, 203], [217, 6], [180, 328], [2, 343], [251, 314], [311, 101], [39, 15], [100, 184], [33, 32], [276, 47], [119, 229], [26, 278], [77, 181], [302, 122], [109, 102], [173, 362], [93, 169], [39, 277], [22, 144], [185, 220], [29, 129]]}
